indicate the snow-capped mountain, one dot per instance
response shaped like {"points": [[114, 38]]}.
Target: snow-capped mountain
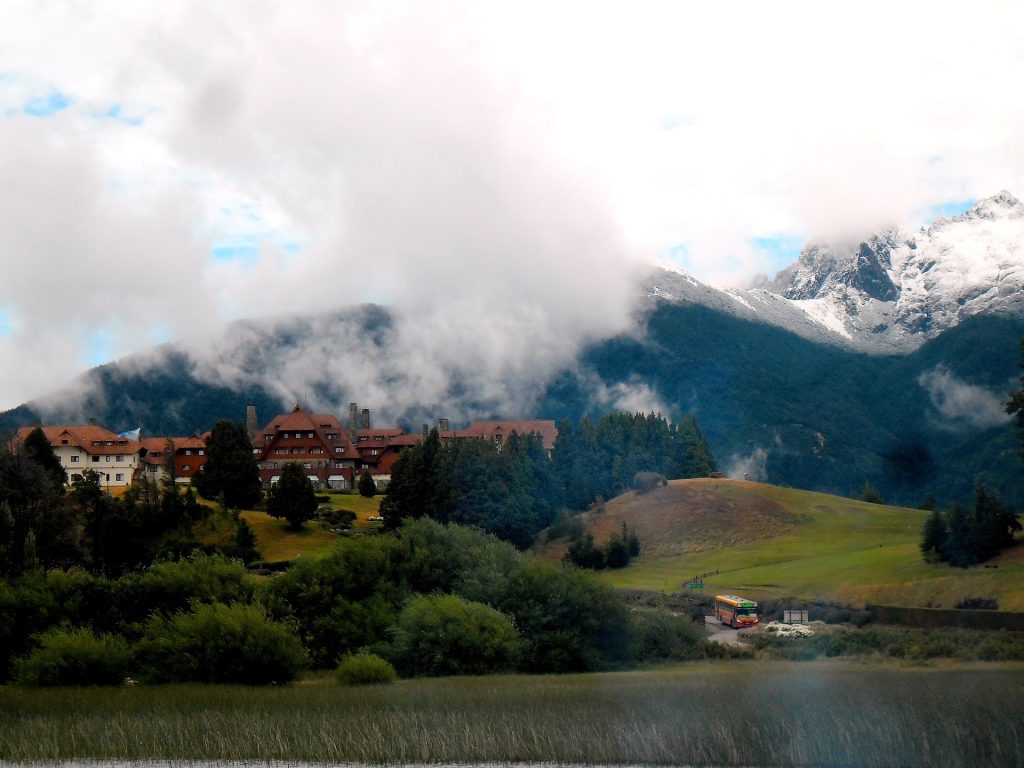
{"points": [[892, 291]]}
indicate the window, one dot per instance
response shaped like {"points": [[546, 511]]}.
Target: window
{"points": [[309, 435], [106, 459], [379, 437], [362, 438], [109, 442], [63, 442], [76, 478], [95, 459], [284, 435], [201, 452], [185, 467], [256, 451], [374, 452], [119, 477], [340, 449], [74, 459], [307, 465], [280, 450], [297, 450], [120, 457], [366, 466], [317, 450], [332, 436], [188, 451]]}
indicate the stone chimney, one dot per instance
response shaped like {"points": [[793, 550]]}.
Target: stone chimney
{"points": [[442, 425], [353, 417], [250, 420], [366, 419]]}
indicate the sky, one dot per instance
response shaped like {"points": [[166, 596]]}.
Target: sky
{"points": [[496, 172]]}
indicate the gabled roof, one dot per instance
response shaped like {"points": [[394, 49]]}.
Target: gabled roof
{"points": [[90, 438]]}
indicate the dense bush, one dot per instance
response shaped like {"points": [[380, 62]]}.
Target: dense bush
{"points": [[364, 669], [219, 643], [661, 636], [645, 482], [170, 587], [74, 657], [449, 635], [900, 643]]}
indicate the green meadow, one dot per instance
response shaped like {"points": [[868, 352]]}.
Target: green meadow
{"points": [[724, 713], [766, 541]]}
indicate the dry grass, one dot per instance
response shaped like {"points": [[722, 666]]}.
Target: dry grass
{"points": [[721, 714]]}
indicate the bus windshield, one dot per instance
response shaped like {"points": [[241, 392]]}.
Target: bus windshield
{"points": [[746, 611]]}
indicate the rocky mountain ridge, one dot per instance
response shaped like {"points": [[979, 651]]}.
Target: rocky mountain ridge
{"points": [[890, 292]]}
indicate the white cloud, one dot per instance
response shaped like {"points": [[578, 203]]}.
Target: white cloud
{"points": [[751, 467], [489, 170], [962, 406]]}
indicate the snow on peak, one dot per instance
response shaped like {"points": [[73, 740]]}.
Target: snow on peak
{"points": [[1001, 205]]}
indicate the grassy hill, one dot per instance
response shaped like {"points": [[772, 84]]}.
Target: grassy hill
{"points": [[766, 541]]}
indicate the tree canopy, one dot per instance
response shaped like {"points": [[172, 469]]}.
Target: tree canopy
{"points": [[293, 496], [231, 471]]}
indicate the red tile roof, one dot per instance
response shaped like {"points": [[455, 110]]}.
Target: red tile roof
{"points": [[490, 429], [84, 437]]}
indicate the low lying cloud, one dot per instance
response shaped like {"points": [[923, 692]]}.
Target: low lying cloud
{"points": [[634, 396], [750, 467], [961, 406]]}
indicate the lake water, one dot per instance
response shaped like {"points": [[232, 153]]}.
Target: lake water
{"points": [[283, 764]]}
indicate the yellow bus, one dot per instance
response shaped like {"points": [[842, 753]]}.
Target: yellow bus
{"points": [[736, 611]]}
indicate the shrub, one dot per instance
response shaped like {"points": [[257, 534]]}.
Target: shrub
{"points": [[448, 635], [219, 643], [170, 587], [74, 657], [366, 486], [978, 604], [364, 669], [644, 482], [662, 636]]}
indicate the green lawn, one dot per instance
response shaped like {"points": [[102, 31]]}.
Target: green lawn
{"points": [[840, 549], [276, 542], [362, 506]]}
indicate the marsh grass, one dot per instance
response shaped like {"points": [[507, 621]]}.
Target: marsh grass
{"points": [[732, 713]]}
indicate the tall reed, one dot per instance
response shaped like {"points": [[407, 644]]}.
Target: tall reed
{"points": [[704, 714]]}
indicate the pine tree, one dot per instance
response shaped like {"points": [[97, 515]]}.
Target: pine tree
{"points": [[934, 537], [1015, 405], [367, 487], [293, 497], [231, 471]]}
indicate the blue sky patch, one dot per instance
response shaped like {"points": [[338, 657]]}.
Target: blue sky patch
{"points": [[247, 253], [782, 250], [6, 324], [99, 347], [45, 106], [117, 113], [952, 208]]}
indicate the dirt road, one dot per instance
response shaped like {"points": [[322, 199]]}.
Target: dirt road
{"points": [[720, 633]]}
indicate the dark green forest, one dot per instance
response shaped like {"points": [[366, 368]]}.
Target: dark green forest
{"points": [[825, 418], [514, 491]]}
